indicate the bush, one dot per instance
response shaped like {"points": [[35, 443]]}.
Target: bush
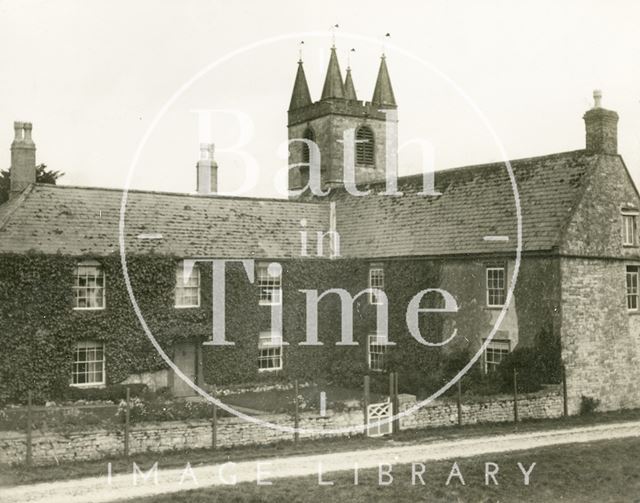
{"points": [[530, 368], [157, 408], [113, 393], [588, 405]]}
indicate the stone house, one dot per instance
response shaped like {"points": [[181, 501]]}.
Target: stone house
{"points": [[66, 310]]}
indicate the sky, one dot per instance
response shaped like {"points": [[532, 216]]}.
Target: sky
{"points": [[470, 77]]}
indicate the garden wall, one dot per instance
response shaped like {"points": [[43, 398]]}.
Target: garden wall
{"points": [[52, 448]]}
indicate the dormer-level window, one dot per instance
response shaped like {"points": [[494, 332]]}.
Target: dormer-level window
{"points": [[187, 286], [88, 286], [376, 281], [270, 284], [496, 286], [629, 218]]}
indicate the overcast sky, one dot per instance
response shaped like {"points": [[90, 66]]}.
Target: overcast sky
{"points": [[93, 75]]}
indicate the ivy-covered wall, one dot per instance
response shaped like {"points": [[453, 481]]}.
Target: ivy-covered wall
{"points": [[39, 326]]}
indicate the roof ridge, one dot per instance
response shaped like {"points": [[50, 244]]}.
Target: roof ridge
{"points": [[494, 164], [176, 194]]}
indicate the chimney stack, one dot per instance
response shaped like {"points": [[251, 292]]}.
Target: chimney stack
{"points": [[207, 170], [23, 159], [602, 128]]}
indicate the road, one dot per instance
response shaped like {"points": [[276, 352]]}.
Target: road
{"points": [[122, 487]]}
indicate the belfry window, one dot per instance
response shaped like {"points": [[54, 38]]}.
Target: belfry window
{"points": [[364, 146], [306, 151]]}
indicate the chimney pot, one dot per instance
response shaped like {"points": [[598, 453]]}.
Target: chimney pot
{"points": [[601, 128], [597, 98], [17, 128], [23, 159], [207, 170]]}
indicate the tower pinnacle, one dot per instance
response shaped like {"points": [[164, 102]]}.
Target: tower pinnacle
{"points": [[333, 86], [300, 97], [383, 92]]}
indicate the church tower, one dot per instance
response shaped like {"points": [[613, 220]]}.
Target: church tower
{"points": [[374, 123]]}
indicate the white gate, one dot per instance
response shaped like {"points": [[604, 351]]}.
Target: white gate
{"points": [[376, 413]]}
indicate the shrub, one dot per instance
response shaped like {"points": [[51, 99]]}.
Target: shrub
{"points": [[588, 405], [157, 408], [113, 393], [530, 368]]}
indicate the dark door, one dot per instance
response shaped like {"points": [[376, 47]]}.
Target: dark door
{"points": [[184, 356]]}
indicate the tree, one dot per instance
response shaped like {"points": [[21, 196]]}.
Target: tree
{"points": [[43, 175]]}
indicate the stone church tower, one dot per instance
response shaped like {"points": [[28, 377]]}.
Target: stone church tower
{"points": [[374, 123]]}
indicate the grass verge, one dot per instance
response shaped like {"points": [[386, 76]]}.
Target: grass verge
{"points": [[603, 471]]}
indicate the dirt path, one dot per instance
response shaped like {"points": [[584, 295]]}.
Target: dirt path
{"points": [[122, 487]]}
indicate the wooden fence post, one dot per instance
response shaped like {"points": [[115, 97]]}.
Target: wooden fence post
{"points": [[396, 404], [367, 386], [214, 426], [459, 402], [126, 424], [296, 418], [29, 428], [565, 402], [515, 395]]}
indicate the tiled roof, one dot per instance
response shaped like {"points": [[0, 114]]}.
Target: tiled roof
{"points": [[476, 201], [85, 221]]}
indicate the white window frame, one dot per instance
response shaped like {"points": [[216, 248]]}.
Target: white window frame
{"points": [[88, 345], [269, 287], [376, 352], [77, 288], [490, 289], [376, 280], [496, 345], [195, 275], [631, 272], [629, 232], [268, 341]]}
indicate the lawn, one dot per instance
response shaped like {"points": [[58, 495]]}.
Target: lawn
{"points": [[15, 475], [602, 471]]}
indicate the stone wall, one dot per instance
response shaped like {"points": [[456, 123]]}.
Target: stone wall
{"points": [[600, 338], [53, 448]]}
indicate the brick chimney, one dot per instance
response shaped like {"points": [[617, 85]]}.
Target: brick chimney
{"points": [[23, 159], [602, 128], [207, 170]]}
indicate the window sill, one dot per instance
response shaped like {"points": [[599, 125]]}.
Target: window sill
{"points": [[187, 307], [263, 303], [494, 308], [89, 385], [88, 308], [633, 312], [270, 370], [630, 246]]}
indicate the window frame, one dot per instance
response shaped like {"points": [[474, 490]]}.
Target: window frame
{"points": [[262, 269], [632, 270], [627, 215], [488, 289], [373, 270], [381, 354], [365, 154], [279, 356], [502, 342], [76, 287], [195, 270], [88, 344]]}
